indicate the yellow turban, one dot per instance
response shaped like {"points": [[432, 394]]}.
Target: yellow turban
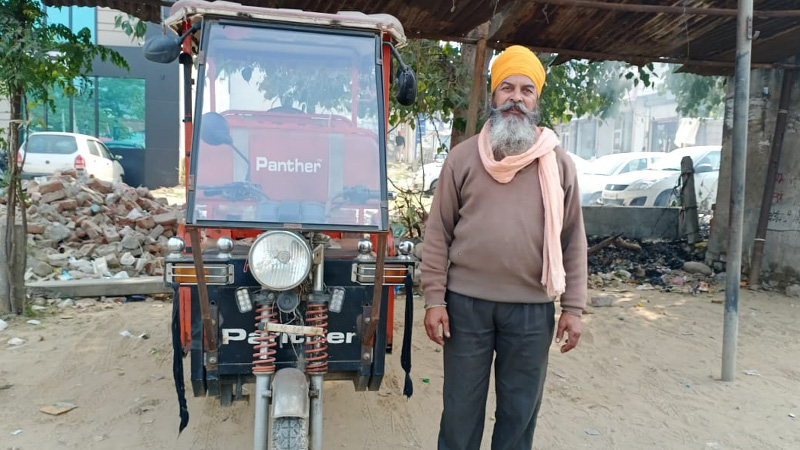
{"points": [[518, 60]]}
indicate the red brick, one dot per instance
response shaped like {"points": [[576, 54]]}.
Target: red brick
{"points": [[66, 205], [170, 218], [51, 186], [35, 228], [146, 223], [100, 186], [54, 196]]}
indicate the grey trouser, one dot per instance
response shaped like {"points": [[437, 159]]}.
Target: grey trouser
{"points": [[519, 334]]}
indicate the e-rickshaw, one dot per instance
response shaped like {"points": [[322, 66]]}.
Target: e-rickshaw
{"points": [[286, 158]]}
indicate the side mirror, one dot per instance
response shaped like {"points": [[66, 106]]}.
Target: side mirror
{"points": [[166, 48], [163, 49], [405, 80], [118, 157], [406, 86]]}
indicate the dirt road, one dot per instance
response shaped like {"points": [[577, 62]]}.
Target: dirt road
{"points": [[643, 377]]}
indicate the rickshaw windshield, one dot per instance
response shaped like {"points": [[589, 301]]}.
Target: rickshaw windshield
{"points": [[289, 129]]}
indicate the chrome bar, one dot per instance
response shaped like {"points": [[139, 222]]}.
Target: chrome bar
{"points": [[316, 424], [261, 423]]}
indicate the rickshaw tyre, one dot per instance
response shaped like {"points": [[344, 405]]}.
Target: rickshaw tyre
{"points": [[290, 433]]}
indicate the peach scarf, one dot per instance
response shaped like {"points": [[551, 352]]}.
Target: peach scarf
{"points": [[553, 274]]}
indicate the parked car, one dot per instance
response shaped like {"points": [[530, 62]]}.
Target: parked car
{"points": [[431, 174], [45, 153], [657, 186], [432, 170], [605, 169], [581, 165]]}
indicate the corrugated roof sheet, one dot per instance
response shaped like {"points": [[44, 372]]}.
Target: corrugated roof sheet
{"points": [[570, 29]]}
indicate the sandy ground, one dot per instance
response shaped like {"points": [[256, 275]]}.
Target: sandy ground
{"points": [[643, 377]]}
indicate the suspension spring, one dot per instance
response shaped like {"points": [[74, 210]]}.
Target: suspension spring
{"points": [[317, 346], [264, 358]]}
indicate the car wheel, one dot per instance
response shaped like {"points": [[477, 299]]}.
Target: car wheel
{"points": [[432, 189], [663, 198]]}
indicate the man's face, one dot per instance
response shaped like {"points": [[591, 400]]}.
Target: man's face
{"points": [[519, 89], [513, 117]]}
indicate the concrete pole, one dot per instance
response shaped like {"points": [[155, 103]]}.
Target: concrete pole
{"points": [[744, 36]]}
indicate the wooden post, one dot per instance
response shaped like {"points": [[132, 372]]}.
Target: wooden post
{"points": [[691, 223], [478, 81]]}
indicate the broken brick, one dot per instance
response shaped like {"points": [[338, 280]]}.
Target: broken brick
{"points": [[54, 196], [66, 205], [146, 223], [34, 228], [101, 186], [169, 218], [51, 186]]}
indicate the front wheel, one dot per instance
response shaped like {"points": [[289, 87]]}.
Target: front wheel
{"points": [[663, 198], [290, 433]]}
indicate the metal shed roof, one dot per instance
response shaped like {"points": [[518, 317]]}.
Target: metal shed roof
{"points": [[697, 33]]}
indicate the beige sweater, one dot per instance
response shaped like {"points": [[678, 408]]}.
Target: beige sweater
{"points": [[484, 239]]}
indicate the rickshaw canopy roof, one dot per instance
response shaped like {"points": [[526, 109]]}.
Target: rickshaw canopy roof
{"points": [[194, 10], [700, 34]]}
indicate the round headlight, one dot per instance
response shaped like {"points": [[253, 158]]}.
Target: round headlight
{"points": [[280, 260]]}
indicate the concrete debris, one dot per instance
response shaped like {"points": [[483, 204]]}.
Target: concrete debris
{"points": [[15, 341], [3, 325], [697, 267], [94, 229], [793, 290], [667, 265]]}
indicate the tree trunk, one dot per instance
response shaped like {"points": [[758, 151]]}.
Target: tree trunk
{"points": [[15, 236], [468, 53]]}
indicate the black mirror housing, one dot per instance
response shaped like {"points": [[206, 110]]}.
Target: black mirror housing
{"points": [[163, 49], [406, 82]]}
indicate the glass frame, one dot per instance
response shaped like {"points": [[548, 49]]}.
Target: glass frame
{"points": [[383, 206]]}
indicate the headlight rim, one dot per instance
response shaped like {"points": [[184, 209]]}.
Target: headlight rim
{"points": [[293, 235]]}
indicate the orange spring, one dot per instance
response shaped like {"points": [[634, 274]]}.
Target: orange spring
{"points": [[264, 358], [317, 346]]}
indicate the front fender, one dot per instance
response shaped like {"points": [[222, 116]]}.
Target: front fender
{"points": [[290, 394]]}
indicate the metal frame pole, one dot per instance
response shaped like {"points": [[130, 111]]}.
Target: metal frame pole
{"points": [[744, 36]]}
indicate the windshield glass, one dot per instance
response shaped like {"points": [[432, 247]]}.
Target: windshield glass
{"points": [[292, 118], [672, 160], [54, 144], [606, 165]]}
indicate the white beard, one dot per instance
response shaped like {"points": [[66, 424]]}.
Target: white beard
{"points": [[512, 135]]}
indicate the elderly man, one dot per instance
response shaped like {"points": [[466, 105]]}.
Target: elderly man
{"points": [[505, 238]]}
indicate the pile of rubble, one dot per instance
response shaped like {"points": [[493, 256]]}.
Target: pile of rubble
{"points": [[95, 229], [615, 262]]}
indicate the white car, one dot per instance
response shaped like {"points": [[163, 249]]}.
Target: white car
{"points": [[605, 169], [45, 153], [431, 174], [432, 170], [658, 185], [581, 165]]}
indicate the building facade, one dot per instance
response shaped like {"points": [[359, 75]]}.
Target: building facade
{"points": [[135, 112], [645, 123]]}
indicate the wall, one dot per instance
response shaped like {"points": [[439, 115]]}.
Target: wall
{"points": [[634, 222], [108, 34], [158, 163], [782, 250]]}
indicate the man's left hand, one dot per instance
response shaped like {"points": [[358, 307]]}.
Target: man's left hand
{"points": [[572, 325]]}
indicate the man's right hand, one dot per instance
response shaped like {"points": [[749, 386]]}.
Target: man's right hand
{"points": [[437, 324]]}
